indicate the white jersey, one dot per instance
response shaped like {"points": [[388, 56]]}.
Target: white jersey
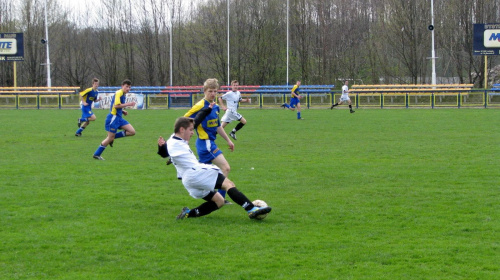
{"points": [[345, 90], [198, 178], [233, 99]]}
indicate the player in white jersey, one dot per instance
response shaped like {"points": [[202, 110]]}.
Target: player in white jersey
{"points": [[200, 179], [344, 97], [233, 98]]}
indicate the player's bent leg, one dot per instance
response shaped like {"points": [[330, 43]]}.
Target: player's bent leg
{"points": [[129, 130], [214, 201]]}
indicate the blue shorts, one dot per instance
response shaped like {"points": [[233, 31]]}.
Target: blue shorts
{"points": [[207, 150], [294, 101], [113, 123], [86, 112]]}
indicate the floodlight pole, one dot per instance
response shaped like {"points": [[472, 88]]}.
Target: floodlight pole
{"points": [[49, 81], [171, 31], [287, 40], [433, 54], [228, 80]]}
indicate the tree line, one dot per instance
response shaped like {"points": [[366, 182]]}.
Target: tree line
{"points": [[184, 42]]}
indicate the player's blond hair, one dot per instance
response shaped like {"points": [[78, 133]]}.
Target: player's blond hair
{"points": [[211, 84]]}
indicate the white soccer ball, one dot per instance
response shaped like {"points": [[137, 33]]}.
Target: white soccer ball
{"points": [[260, 203]]}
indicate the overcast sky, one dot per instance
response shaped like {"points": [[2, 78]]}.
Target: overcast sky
{"points": [[77, 4]]}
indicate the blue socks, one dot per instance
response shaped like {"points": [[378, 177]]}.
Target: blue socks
{"points": [[222, 192], [120, 134], [99, 150], [298, 115]]}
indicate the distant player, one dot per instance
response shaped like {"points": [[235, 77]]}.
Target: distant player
{"points": [[344, 97], [88, 96], [233, 98], [115, 121], [201, 180], [295, 100]]}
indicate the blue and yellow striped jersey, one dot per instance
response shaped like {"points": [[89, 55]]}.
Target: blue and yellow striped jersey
{"points": [[295, 90], [118, 98], [207, 130], [90, 95]]}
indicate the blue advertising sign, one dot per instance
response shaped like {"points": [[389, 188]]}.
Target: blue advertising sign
{"points": [[486, 39], [11, 47]]}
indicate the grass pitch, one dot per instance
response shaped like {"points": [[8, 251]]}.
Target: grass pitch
{"points": [[379, 194]]}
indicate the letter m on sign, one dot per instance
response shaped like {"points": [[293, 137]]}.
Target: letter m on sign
{"points": [[492, 38], [495, 37]]}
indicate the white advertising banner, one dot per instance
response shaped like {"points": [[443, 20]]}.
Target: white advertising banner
{"points": [[138, 98]]}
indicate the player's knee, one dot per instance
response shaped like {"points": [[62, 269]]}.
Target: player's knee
{"points": [[218, 199], [227, 184], [130, 132], [225, 169]]}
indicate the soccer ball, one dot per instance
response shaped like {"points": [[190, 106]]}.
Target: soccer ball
{"points": [[260, 203]]}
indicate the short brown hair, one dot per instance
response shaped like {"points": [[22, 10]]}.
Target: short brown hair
{"points": [[95, 80], [126, 82], [184, 122], [234, 82]]}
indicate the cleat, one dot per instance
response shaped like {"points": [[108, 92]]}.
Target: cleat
{"points": [[283, 106], [111, 143], [233, 135], [184, 213], [98, 157], [169, 161], [332, 107], [78, 134], [352, 111], [227, 202], [256, 211], [79, 123]]}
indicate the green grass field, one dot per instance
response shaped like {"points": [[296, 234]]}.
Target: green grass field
{"points": [[379, 194]]}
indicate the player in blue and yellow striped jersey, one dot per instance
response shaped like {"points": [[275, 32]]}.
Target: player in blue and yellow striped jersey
{"points": [[88, 96], [115, 121], [207, 131], [295, 100]]}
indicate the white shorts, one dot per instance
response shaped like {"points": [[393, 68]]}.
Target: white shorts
{"points": [[344, 98], [230, 116], [200, 181]]}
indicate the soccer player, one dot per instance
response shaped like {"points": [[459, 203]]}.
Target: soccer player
{"points": [[344, 97], [209, 127], [295, 100], [233, 98], [88, 96], [199, 179], [115, 121]]}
